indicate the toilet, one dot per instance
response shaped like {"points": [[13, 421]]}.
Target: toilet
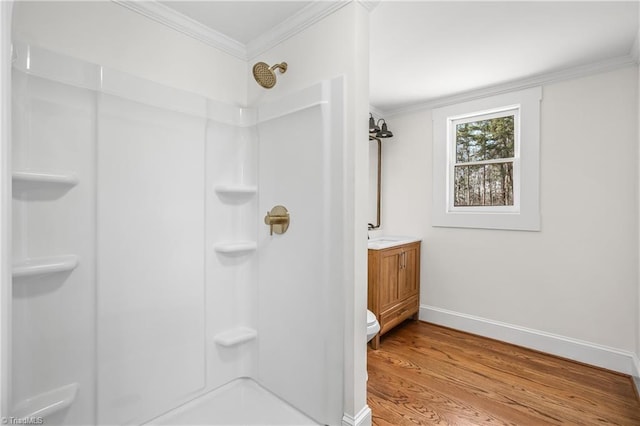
{"points": [[373, 326]]}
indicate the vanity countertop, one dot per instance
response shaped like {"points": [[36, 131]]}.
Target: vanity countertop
{"points": [[386, 241]]}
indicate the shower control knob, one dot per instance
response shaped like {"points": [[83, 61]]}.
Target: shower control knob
{"points": [[277, 219]]}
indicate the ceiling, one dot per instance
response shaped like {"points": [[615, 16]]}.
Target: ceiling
{"points": [[449, 48], [422, 51], [243, 21]]}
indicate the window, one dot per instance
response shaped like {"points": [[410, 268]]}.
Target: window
{"points": [[483, 157], [486, 162]]}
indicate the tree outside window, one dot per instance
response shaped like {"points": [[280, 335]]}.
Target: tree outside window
{"points": [[484, 158]]}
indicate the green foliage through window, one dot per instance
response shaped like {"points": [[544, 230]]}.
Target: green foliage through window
{"points": [[485, 151]]}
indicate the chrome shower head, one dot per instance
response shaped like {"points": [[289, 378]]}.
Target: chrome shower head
{"points": [[265, 75]]}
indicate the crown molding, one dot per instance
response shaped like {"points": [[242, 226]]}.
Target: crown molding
{"points": [[306, 17], [293, 25], [541, 79], [190, 27], [369, 4]]}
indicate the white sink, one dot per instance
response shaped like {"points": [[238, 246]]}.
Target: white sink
{"points": [[387, 241]]}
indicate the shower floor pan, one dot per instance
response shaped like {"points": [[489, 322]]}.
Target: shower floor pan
{"points": [[240, 402]]}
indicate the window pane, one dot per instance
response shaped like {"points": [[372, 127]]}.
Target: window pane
{"points": [[483, 185], [485, 140]]}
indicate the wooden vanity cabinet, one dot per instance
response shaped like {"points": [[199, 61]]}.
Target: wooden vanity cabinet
{"points": [[394, 285]]}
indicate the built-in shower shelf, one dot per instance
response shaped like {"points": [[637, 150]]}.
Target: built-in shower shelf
{"points": [[46, 403], [236, 247], [45, 265], [35, 176], [239, 190], [235, 336]]}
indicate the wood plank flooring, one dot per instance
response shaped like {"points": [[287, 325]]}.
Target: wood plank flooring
{"points": [[424, 374]]}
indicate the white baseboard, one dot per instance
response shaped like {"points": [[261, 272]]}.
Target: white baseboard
{"points": [[363, 418], [586, 352]]}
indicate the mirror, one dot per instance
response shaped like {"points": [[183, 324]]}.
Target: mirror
{"points": [[375, 169]]}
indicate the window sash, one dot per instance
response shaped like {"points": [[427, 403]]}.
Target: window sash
{"points": [[480, 163], [476, 182], [506, 111]]}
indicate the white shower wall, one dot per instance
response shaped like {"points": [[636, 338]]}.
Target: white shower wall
{"points": [[338, 45], [156, 52], [53, 317], [151, 277], [300, 151], [176, 278], [107, 327], [232, 207]]}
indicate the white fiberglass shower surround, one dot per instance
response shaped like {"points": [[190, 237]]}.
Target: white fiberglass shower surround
{"points": [[146, 286]]}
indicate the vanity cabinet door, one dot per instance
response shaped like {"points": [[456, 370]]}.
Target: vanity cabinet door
{"points": [[408, 277], [390, 276]]}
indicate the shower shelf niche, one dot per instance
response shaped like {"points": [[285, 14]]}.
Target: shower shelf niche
{"points": [[41, 176], [46, 403], [235, 336], [45, 265], [236, 247]]}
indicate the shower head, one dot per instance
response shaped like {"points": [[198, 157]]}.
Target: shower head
{"points": [[264, 74]]}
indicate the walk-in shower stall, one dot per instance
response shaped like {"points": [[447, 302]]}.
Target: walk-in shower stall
{"points": [[148, 287]]}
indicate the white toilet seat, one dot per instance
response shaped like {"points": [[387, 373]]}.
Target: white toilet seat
{"points": [[373, 326], [371, 318]]}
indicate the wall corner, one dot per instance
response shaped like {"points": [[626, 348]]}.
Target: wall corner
{"points": [[6, 10]]}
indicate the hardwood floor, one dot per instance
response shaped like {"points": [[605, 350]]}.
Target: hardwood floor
{"points": [[424, 374]]}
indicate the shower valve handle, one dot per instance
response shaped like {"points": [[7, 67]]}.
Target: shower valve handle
{"points": [[278, 220]]}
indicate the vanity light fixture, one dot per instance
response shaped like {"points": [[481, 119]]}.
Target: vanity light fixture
{"points": [[372, 124], [374, 127], [384, 132]]}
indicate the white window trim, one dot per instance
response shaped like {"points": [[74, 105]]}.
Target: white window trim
{"points": [[525, 214]]}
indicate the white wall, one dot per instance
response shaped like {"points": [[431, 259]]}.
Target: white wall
{"points": [[102, 32], [576, 278], [636, 52], [6, 12], [339, 45], [637, 358]]}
